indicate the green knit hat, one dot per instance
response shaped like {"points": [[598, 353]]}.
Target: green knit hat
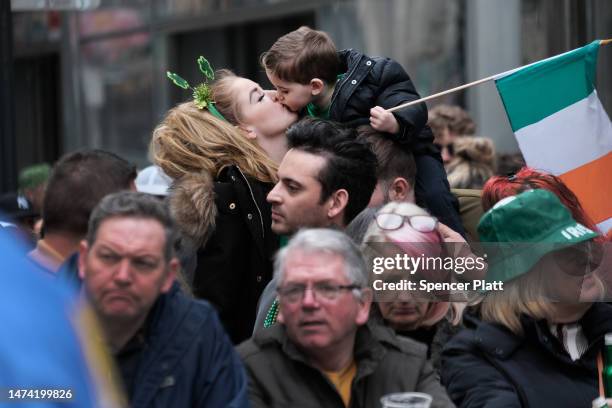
{"points": [[33, 176], [526, 227]]}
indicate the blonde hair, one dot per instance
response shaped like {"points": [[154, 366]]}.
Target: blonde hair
{"points": [[525, 295], [192, 140], [474, 162], [225, 97]]}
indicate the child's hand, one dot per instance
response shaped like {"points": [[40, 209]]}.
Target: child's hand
{"points": [[383, 121]]}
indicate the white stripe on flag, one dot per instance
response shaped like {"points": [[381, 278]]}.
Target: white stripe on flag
{"points": [[569, 138], [605, 226]]}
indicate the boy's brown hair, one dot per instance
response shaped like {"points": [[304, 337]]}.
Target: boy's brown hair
{"points": [[302, 55]]}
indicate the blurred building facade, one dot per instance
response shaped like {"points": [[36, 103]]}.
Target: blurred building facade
{"points": [[96, 78]]}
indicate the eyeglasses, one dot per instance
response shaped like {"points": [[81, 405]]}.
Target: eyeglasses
{"points": [[322, 291], [391, 221]]}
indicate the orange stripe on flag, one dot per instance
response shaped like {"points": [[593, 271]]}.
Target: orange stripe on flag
{"points": [[592, 183]]}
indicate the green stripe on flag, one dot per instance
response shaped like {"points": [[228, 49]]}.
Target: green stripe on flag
{"points": [[539, 90]]}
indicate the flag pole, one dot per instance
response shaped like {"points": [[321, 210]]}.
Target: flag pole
{"points": [[458, 88]]}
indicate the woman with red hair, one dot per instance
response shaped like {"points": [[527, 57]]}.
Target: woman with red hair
{"points": [[527, 178]]}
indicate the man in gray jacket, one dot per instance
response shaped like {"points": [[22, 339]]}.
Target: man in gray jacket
{"points": [[323, 353]]}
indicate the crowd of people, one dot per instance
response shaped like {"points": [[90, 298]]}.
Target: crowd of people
{"points": [[237, 271]]}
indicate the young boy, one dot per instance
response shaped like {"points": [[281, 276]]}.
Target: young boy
{"points": [[312, 77]]}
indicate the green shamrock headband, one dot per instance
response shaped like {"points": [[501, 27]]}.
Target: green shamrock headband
{"points": [[202, 94]]}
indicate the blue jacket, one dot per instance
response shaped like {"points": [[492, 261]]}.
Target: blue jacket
{"points": [[188, 360], [43, 338], [488, 366]]}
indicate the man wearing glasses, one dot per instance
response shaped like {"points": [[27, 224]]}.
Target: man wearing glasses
{"points": [[322, 353]]}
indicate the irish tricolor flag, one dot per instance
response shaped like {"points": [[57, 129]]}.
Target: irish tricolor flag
{"points": [[561, 126]]}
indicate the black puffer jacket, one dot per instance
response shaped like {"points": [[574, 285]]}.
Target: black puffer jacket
{"points": [[488, 366], [378, 81], [229, 220]]}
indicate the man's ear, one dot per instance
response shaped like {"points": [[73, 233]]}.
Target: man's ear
{"points": [[280, 317], [83, 250], [316, 86], [173, 270], [399, 190], [337, 202], [365, 302]]}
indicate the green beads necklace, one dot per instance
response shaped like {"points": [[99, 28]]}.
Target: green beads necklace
{"points": [[272, 314]]}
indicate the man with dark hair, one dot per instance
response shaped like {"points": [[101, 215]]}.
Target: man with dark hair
{"points": [[395, 181], [171, 350], [77, 183], [396, 170], [325, 179]]}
